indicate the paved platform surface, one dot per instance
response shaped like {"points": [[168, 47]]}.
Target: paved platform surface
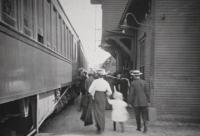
{"points": [[68, 123]]}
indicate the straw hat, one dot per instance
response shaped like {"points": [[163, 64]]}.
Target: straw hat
{"points": [[135, 72]]}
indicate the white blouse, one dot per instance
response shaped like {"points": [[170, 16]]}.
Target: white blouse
{"points": [[100, 85]]}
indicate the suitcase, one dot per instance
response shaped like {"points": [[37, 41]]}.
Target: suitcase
{"points": [[152, 115]]}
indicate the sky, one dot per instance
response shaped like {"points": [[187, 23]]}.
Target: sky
{"points": [[87, 22]]}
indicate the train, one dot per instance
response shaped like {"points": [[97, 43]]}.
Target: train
{"points": [[40, 53]]}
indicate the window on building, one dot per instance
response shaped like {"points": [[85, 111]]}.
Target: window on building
{"points": [[9, 12], [48, 22], [28, 17], [54, 29], [40, 20]]}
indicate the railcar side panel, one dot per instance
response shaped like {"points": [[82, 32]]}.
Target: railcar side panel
{"points": [[27, 70], [46, 105]]}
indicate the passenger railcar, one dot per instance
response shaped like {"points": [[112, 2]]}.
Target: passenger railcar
{"points": [[39, 57]]}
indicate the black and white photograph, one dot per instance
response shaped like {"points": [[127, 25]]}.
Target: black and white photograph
{"points": [[99, 67]]}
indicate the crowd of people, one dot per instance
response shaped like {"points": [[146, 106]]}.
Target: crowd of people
{"points": [[101, 91]]}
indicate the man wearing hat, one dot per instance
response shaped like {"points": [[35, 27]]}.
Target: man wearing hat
{"points": [[139, 98]]}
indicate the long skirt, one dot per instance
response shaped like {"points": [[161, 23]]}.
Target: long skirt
{"points": [[99, 110], [86, 115]]}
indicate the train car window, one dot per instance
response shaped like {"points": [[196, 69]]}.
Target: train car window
{"points": [[54, 28], [66, 41], [40, 20], [9, 12], [59, 34], [48, 22], [73, 52], [68, 45], [72, 43], [63, 38], [28, 17], [76, 52]]}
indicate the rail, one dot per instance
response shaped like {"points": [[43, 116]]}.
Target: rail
{"points": [[61, 96]]}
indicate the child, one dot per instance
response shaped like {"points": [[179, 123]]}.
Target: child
{"points": [[119, 111]]}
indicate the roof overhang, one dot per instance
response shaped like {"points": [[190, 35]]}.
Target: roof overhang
{"points": [[113, 37], [139, 8]]}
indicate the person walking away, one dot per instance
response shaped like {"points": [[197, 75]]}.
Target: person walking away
{"points": [[118, 82], [99, 89], [123, 86], [82, 87], [87, 101], [109, 80], [139, 98], [88, 81], [119, 111]]}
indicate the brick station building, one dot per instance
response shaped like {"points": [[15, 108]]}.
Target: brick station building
{"points": [[161, 38]]}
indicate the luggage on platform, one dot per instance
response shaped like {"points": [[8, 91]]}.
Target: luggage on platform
{"points": [[152, 115]]}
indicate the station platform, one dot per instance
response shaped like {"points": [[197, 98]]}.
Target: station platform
{"points": [[68, 123]]}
